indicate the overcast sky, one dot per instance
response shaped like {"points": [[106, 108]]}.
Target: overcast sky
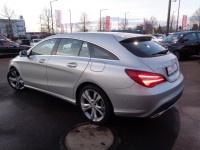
{"points": [[138, 9]]}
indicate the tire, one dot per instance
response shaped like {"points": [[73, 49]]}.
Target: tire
{"points": [[15, 80], [177, 54], [95, 104]]}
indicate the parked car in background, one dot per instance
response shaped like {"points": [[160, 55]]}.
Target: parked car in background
{"points": [[35, 41], [183, 44], [155, 39], [8, 47], [159, 36], [3, 38], [24, 42], [103, 73]]}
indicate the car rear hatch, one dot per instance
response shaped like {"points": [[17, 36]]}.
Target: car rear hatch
{"points": [[153, 55]]}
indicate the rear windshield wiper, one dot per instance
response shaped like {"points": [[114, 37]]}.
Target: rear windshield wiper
{"points": [[161, 52]]}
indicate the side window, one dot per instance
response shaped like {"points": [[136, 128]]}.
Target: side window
{"points": [[84, 52], [44, 48], [191, 36], [99, 52], [69, 47]]}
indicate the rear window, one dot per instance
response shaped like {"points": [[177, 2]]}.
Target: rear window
{"points": [[143, 47]]}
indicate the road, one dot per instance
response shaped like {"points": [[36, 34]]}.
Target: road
{"points": [[30, 120]]}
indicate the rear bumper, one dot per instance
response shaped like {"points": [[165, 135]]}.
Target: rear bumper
{"points": [[139, 101], [165, 106]]}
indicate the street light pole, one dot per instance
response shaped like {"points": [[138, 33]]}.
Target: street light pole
{"points": [[168, 17], [178, 16], [70, 21], [100, 19], [52, 16], [125, 21]]}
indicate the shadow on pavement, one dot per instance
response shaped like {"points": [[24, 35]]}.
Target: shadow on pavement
{"points": [[152, 134]]}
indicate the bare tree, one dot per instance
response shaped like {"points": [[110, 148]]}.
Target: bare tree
{"points": [[123, 24], [83, 25], [8, 14], [195, 19], [103, 24], [45, 21], [153, 21]]}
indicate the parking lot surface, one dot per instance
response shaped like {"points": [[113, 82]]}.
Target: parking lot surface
{"points": [[31, 120]]}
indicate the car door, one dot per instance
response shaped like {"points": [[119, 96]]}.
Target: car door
{"points": [[190, 44], [198, 42], [33, 67], [66, 67]]}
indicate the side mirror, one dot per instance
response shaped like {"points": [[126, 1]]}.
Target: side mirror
{"points": [[23, 53]]}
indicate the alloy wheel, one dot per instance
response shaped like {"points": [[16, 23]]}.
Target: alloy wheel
{"points": [[15, 80], [92, 105]]}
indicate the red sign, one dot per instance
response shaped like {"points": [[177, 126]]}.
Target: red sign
{"points": [[108, 24], [58, 18], [184, 21]]}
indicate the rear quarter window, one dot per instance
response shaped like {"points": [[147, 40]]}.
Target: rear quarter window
{"points": [[142, 47], [101, 53]]}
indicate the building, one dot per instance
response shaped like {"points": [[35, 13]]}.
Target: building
{"points": [[16, 30]]}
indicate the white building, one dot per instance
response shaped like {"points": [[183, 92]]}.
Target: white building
{"points": [[18, 28]]}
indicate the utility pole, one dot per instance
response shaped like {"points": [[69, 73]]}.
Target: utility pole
{"points": [[100, 19], [178, 16], [168, 17], [52, 16], [70, 20], [118, 24]]}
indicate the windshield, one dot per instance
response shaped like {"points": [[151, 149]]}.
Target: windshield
{"points": [[172, 37]]}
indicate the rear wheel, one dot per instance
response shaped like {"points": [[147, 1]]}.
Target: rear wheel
{"points": [[95, 104], [15, 80]]}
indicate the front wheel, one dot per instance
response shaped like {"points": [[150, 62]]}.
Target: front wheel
{"points": [[95, 104], [15, 80]]}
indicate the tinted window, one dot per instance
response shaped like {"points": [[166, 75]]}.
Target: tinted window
{"points": [[44, 48], [69, 47], [142, 48], [84, 52], [98, 52], [191, 36], [198, 34]]}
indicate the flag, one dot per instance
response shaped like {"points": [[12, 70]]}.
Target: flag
{"points": [[184, 21], [108, 24], [58, 18]]}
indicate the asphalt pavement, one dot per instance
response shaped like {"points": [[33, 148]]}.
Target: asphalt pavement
{"points": [[31, 120]]}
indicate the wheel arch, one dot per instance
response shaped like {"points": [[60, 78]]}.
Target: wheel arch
{"points": [[89, 83]]}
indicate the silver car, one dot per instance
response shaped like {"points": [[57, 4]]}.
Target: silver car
{"points": [[103, 73]]}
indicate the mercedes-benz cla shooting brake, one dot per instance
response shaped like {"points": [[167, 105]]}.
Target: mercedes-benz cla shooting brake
{"points": [[103, 73]]}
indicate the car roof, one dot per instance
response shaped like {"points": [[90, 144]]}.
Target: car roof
{"points": [[107, 40], [90, 36], [185, 32]]}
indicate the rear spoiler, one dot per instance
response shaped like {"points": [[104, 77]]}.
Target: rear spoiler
{"points": [[138, 39]]}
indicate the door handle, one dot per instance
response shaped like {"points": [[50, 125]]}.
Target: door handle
{"points": [[41, 60], [72, 64]]}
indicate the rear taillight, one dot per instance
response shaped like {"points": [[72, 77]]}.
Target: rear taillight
{"points": [[147, 79]]}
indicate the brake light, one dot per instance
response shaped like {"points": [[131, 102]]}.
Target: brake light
{"points": [[144, 78]]}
